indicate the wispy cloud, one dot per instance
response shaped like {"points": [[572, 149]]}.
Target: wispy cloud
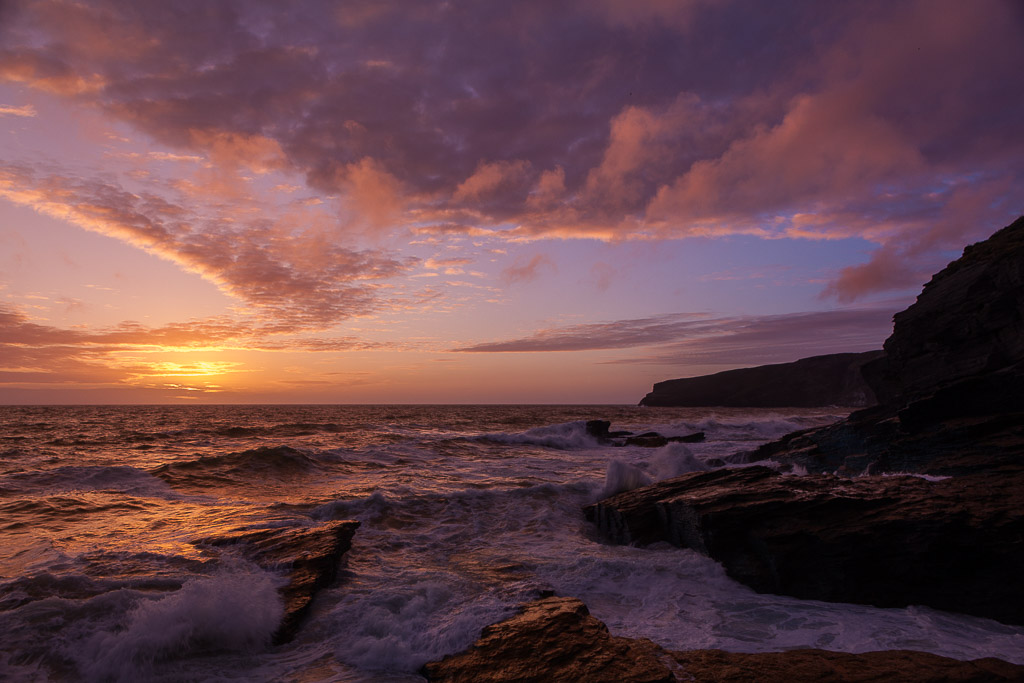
{"points": [[25, 111], [692, 338], [527, 270], [290, 279]]}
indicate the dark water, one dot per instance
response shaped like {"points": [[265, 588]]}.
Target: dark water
{"points": [[467, 511]]}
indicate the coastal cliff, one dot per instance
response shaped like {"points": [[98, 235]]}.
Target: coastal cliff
{"points": [[950, 385], [951, 408], [833, 379]]}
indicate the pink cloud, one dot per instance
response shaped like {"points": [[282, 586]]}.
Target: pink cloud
{"points": [[689, 338], [489, 178], [527, 271], [610, 120], [296, 280]]}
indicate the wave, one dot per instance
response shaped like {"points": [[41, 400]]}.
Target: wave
{"points": [[766, 428], [22, 512], [46, 585], [235, 610], [276, 461], [72, 478], [565, 436], [285, 429], [666, 462]]}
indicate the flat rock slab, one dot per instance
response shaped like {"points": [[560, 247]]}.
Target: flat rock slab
{"points": [[889, 541], [556, 639], [308, 556]]}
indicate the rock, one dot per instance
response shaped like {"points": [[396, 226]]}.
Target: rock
{"points": [[955, 544], [556, 639], [649, 440], [833, 379], [967, 323], [599, 429], [309, 557], [820, 665], [951, 383]]}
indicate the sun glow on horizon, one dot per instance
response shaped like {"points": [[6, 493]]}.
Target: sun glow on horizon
{"points": [[384, 215]]}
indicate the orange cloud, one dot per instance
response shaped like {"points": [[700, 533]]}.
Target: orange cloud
{"points": [[488, 178], [526, 271], [296, 280]]}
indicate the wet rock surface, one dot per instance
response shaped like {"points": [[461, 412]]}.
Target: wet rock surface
{"points": [[600, 430], [833, 379], [889, 541], [308, 556], [556, 639], [950, 384]]}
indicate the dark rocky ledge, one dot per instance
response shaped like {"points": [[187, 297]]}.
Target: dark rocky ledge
{"points": [[556, 639], [599, 429], [833, 379], [308, 556], [889, 541], [951, 402], [951, 383]]}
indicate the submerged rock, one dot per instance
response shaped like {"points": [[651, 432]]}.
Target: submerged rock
{"points": [[833, 379], [888, 541], [556, 639], [599, 429], [308, 556]]}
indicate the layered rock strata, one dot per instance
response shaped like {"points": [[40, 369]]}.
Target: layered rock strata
{"points": [[951, 383], [888, 541], [556, 639]]}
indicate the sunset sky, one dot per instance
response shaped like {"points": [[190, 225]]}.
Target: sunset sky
{"points": [[461, 202]]}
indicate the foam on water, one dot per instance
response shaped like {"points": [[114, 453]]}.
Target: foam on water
{"points": [[461, 523], [236, 609], [566, 436], [671, 460]]}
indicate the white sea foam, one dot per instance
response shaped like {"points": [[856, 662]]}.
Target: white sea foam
{"points": [[236, 609], [457, 531], [671, 460], [565, 436]]}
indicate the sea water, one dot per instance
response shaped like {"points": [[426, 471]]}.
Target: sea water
{"points": [[466, 511]]}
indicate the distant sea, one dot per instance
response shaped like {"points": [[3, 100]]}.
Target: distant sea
{"points": [[466, 511]]}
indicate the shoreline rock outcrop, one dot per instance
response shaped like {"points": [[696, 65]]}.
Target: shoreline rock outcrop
{"points": [[887, 541], [951, 402], [833, 379], [600, 430], [950, 385], [308, 556], [557, 639]]}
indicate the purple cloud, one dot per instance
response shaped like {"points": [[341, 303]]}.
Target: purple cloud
{"points": [[701, 339], [600, 119]]}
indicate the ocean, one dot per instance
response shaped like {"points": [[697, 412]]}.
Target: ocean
{"points": [[466, 512]]}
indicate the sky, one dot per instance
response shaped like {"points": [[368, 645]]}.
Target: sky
{"points": [[421, 201]]}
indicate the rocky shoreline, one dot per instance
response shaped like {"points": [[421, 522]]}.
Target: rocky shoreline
{"points": [[917, 500], [556, 639]]}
